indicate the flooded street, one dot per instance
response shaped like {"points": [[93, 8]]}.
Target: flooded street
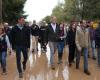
{"points": [[38, 68]]}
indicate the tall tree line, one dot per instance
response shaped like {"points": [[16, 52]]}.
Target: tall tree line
{"points": [[77, 10], [0, 12]]}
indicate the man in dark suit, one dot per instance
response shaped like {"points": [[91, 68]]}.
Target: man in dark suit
{"points": [[20, 40], [52, 31]]}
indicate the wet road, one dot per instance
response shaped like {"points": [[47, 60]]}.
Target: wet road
{"points": [[38, 68]]}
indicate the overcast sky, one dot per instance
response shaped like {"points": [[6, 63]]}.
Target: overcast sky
{"points": [[38, 9]]}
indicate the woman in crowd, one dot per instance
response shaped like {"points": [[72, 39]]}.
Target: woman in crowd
{"points": [[71, 43], [61, 42], [4, 44]]}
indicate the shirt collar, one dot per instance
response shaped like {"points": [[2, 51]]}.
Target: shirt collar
{"points": [[53, 24], [20, 26]]}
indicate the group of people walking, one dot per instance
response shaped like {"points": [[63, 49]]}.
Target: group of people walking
{"points": [[22, 38]]}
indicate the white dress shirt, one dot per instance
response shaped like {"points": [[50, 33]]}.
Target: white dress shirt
{"points": [[54, 27]]}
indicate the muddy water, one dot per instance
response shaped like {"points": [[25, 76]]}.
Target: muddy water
{"points": [[38, 68]]}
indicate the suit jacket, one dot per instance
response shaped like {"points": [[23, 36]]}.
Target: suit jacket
{"points": [[20, 37], [53, 36]]}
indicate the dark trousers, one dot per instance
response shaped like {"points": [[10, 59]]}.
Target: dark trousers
{"points": [[24, 51], [71, 53], [43, 45]]}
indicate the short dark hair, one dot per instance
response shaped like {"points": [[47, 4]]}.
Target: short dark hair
{"points": [[20, 17], [81, 22], [34, 21], [88, 22]]}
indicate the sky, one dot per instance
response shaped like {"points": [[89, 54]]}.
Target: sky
{"points": [[38, 9]]}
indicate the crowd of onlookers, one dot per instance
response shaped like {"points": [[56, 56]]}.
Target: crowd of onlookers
{"points": [[82, 38]]}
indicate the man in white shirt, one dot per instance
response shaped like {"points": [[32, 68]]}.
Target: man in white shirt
{"points": [[52, 33]]}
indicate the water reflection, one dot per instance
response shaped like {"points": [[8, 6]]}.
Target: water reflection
{"points": [[45, 73], [39, 50], [48, 54], [38, 69], [66, 73], [31, 59]]}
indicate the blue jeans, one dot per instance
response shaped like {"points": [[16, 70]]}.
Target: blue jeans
{"points": [[98, 52], [3, 56], [93, 49], [24, 50], [85, 57], [60, 49], [53, 47]]}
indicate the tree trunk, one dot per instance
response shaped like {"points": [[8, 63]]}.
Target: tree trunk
{"points": [[0, 13]]}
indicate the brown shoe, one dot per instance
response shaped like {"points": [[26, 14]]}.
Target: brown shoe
{"points": [[52, 67], [87, 72]]}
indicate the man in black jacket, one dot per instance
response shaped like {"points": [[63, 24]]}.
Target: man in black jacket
{"points": [[35, 32], [43, 36], [20, 39], [53, 35]]}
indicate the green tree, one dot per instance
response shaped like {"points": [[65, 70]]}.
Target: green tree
{"points": [[0, 12], [77, 10], [58, 12], [12, 9], [90, 9], [47, 19]]}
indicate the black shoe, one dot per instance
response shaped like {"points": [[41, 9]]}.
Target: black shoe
{"points": [[24, 66], [52, 67], [73, 61], [88, 56], [77, 67], [87, 72], [4, 72], [70, 64], [20, 75], [33, 50], [93, 58]]}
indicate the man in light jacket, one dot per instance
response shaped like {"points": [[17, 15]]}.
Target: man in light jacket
{"points": [[82, 43]]}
